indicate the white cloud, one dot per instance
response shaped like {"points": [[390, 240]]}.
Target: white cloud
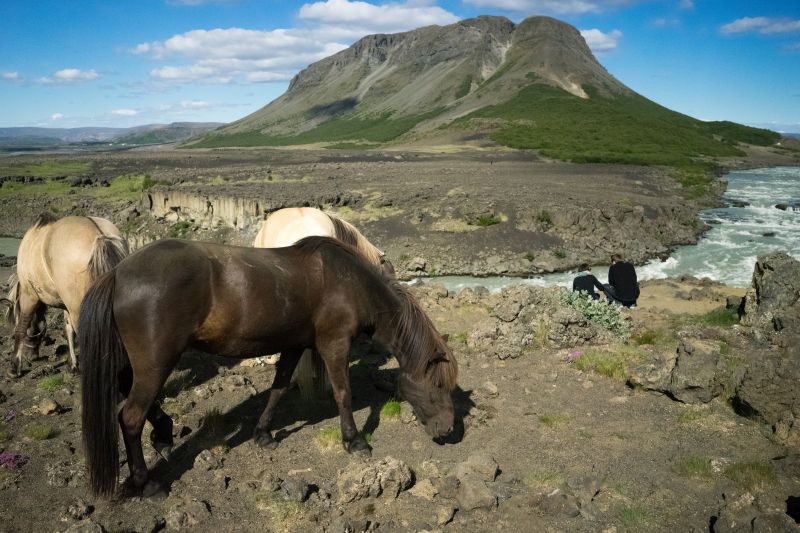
{"points": [[195, 104], [11, 76], [125, 112], [70, 75], [225, 55], [558, 7], [379, 18], [763, 25], [686, 4], [56, 116], [601, 42]]}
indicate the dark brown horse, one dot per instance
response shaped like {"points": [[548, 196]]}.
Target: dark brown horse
{"points": [[243, 302]]}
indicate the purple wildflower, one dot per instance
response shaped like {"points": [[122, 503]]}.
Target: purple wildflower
{"points": [[573, 356], [13, 460], [10, 415]]}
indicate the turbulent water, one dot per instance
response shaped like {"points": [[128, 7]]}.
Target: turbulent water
{"points": [[728, 251]]}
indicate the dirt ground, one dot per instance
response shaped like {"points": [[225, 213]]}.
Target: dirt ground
{"points": [[576, 451]]}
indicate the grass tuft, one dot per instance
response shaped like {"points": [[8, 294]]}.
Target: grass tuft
{"points": [[695, 466], [40, 431], [391, 409], [633, 517], [553, 420], [753, 475], [52, 383], [328, 438]]}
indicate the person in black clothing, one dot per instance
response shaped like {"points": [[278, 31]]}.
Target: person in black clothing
{"points": [[623, 287], [586, 282]]}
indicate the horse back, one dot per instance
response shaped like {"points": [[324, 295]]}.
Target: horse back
{"points": [[285, 227], [222, 299]]}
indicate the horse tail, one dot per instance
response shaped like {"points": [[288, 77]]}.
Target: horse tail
{"points": [[104, 356], [311, 376], [348, 234], [12, 302], [108, 251]]}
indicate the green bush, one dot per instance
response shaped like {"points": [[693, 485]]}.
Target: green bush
{"points": [[599, 312]]}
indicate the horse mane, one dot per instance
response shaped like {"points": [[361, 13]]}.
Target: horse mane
{"points": [[45, 219], [427, 354], [347, 233]]}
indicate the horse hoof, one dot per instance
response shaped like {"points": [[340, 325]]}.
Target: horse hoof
{"points": [[154, 490], [358, 447], [163, 449], [265, 440]]}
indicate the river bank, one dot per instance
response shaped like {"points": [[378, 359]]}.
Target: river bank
{"points": [[477, 213]]}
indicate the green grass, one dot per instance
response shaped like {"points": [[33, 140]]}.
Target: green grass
{"points": [[179, 229], [545, 218], [328, 438], [695, 466], [5, 434], [689, 414], [379, 128], [605, 364], [464, 87], [484, 221], [553, 420], [621, 129], [719, 317], [391, 409], [52, 383], [283, 513], [633, 517], [530, 256], [752, 475], [50, 168], [655, 337], [561, 254], [40, 431]]}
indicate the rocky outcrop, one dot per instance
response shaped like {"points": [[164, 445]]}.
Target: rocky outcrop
{"points": [[772, 304]]}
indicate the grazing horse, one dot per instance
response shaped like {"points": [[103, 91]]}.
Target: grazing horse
{"points": [[137, 319], [58, 260], [285, 227]]}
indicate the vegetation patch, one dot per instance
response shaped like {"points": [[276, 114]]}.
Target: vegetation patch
{"points": [[655, 337], [52, 383], [284, 513], [604, 363], [391, 409], [453, 225], [483, 221], [599, 312], [50, 168], [179, 229], [328, 438], [5, 434], [544, 478], [720, 317], [530, 256], [379, 128], [554, 419], [752, 476], [690, 414], [464, 87], [633, 517], [212, 427], [40, 431], [695, 466]]}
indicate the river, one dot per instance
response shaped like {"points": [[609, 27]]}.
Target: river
{"points": [[725, 253]]}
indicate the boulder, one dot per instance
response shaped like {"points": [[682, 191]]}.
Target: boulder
{"points": [[694, 378], [387, 476]]}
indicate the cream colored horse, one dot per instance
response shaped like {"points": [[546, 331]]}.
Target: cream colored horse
{"points": [[285, 227], [58, 260]]}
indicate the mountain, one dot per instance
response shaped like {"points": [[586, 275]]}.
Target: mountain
{"points": [[147, 134], [533, 85]]}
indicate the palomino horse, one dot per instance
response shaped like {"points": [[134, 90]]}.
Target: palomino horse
{"points": [[243, 302], [285, 227], [58, 260]]}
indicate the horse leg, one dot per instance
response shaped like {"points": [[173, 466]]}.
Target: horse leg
{"points": [[335, 353], [283, 377], [161, 436], [136, 409], [30, 308], [69, 331]]}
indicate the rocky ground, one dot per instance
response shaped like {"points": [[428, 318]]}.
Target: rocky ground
{"points": [[689, 425], [478, 212]]}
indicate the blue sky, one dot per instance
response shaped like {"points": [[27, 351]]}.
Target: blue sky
{"points": [[71, 63]]}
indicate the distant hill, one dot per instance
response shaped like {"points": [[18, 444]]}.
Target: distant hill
{"points": [[147, 134], [533, 85]]}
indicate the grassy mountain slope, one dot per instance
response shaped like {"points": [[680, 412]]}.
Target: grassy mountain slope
{"points": [[533, 85]]}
